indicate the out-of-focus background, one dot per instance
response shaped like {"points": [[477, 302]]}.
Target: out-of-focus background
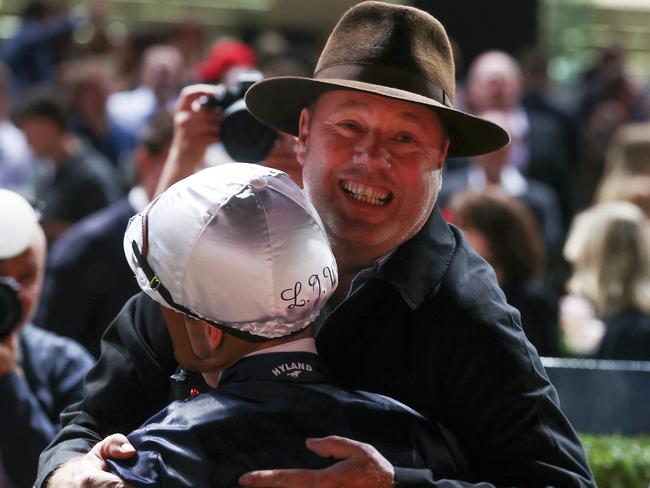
{"points": [[87, 92]]}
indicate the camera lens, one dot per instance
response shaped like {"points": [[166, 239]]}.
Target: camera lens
{"points": [[10, 308], [244, 137]]}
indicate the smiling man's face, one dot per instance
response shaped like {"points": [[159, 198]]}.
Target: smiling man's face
{"points": [[371, 168]]}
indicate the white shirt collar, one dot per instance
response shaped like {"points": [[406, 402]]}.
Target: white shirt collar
{"points": [[512, 181]]}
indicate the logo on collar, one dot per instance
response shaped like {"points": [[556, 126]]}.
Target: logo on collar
{"points": [[292, 370]]}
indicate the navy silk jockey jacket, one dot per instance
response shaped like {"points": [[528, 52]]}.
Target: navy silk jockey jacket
{"points": [[258, 418]]}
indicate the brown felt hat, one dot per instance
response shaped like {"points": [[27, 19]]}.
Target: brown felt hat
{"points": [[390, 50]]}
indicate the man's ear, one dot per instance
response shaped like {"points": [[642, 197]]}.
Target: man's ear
{"points": [[213, 335], [443, 153], [303, 135]]}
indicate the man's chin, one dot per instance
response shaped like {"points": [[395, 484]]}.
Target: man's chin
{"points": [[360, 234]]}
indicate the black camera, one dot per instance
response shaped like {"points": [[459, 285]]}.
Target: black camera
{"points": [[11, 310], [246, 139]]}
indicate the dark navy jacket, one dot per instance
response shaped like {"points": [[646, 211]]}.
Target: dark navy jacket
{"points": [[258, 418], [87, 278], [429, 327], [53, 370]]}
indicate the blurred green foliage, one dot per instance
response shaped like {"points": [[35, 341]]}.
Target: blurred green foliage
{"points": [[618, 461]]}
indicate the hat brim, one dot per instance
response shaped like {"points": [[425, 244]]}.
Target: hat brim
{"points": [[278, 102]]}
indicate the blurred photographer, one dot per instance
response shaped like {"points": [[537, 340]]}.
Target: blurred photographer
{"points": [[40, 372], [212, 125], [197, 126]]}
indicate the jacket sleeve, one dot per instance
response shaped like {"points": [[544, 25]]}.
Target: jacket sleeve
{"points": [[498, 400], [180, 463], [423, 477], [25, 429], [24, 417], [514, 437], [128, 383]]}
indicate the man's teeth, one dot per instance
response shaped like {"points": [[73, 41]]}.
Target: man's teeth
{"points": [[366, 194]]}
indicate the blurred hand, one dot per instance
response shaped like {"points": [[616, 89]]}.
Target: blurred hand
{"points": [[195, 129], [362, 467], [8, 354], [89, 470], [582, 331]]}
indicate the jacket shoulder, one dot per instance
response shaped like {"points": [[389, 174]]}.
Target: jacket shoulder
{"points": [[470, 286], [54, 349]]}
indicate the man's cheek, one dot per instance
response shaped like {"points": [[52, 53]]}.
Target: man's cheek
{"points": [[28, 298]]}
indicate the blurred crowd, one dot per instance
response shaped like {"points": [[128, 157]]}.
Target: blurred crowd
{"points": [[561, 213], [85, 129]]}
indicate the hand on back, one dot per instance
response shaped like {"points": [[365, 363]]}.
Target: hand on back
{"points": [[89, 470], [361, 466]]}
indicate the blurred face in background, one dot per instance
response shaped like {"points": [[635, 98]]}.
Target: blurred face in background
{"points": [[494, 162], [161, 71], [91, 97], [494, 82], [42, 135]]}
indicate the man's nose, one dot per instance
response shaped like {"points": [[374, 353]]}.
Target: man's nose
{"points": [[370, 153]]}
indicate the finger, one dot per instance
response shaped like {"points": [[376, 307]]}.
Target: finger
{"points": [[192, 92], [206, 117], [335, 447], [199, 130], [115, 446], [190, 124], [198, 106], [202, 116], [201, 143], [289, 478]]}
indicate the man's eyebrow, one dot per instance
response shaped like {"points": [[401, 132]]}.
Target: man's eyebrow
{"points": [[354, 104], [410, 117], [357, 105]]}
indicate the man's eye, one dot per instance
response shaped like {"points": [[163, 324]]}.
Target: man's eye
{"points": [[406, 138], [349, 125]]}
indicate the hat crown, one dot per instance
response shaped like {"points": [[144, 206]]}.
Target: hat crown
{"points": [[388, 50], [238, 245], [396, 37]]}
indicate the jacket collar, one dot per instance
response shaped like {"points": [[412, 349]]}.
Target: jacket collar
{"points": [[416, 268], [287, 367]]}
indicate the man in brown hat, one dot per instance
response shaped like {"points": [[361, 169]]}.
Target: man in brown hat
{"points": [[418, 316]]}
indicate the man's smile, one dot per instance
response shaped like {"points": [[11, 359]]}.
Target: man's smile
{"points": [[371, 195]]}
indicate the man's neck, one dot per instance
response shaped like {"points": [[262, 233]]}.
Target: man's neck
{"points": [[493, 174], [348, 269], [305, 344]]}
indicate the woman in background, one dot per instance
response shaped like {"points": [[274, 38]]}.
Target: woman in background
{"points": [[505, 233], [609, 249]]}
